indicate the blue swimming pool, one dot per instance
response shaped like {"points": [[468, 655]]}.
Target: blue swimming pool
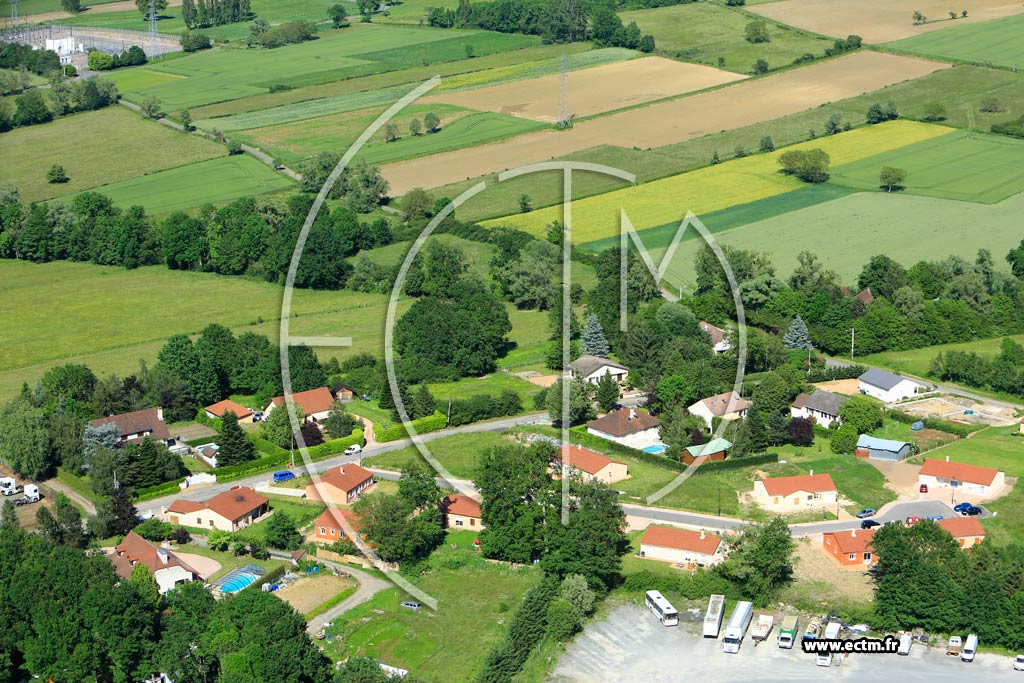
{"points": [[243, 577], [657, 450]]}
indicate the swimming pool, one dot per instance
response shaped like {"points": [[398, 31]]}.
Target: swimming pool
{"points": [[243, 577], [657, 450]]}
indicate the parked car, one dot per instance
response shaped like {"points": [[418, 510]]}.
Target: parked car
{"points": [[283, 475], [923, 488], [257, 416], [869, 524], [867, 512], [409, 604], [353, 449], [364, 398], [913, 519], [1018, 663], [972, 510], [960, 507]]}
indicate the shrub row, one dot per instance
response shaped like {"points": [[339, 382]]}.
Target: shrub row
{"points": [[932, 423], [819, 374], [430, 423], [280, 456], [736, 463], [157, 490], [694, 586], [580, 437], [484, 407]]}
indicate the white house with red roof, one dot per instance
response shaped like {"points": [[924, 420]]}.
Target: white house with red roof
{"points": [[592, 465], [682, 547], [228, 511], [728, 406], [315, 404], [971, 480], [341, 485], [789, 494], [461, 512]]}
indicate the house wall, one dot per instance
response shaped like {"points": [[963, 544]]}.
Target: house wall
{"points": [[904, 389], [798, 500], [701, 410], [462, 522], [688, 457], [201, 519], [823, 419], [612, 472], [847, 560], [966, 542], [332, 495], [617, 374], [969, 488], [888, 456], [677, 556]]}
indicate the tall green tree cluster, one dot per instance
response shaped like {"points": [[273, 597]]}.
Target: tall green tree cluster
{"points": [[207, 13], [405, 527]]}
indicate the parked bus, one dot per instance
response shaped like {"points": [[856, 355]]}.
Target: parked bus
{"points": [[713, 616], [666, 613], [737, 628]]}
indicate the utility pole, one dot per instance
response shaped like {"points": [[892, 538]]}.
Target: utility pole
{"points": [[853, 338], [564, 117]]}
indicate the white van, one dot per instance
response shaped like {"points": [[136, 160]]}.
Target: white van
{"points": [[831, 633], [906, 642], [970, 648]]}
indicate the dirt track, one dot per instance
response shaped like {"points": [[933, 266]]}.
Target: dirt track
{"points": [[879, 21], [592, 91], [123, 6], [662, 124]]}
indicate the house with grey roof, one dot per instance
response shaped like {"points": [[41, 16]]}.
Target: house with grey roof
{"points": [[821, 406], [886, 386], [593, 368], [873, 448]]}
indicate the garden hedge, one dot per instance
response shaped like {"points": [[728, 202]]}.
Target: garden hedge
{"points": [[430, 423]]}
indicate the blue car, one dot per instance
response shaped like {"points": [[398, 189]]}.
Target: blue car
{"points": [[283, 475], [935, 518], [961, 507], [866, 512]]}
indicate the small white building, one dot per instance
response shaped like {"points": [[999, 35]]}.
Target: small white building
{"points": [[719, 338], [629, 427], [592, 368], [971, 480], [822, 406], [888, 387], [789, 494], [682, 547], [728, 406]]}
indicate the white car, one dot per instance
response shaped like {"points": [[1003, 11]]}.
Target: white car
{"points": [[1018, 663], [353, 449]]}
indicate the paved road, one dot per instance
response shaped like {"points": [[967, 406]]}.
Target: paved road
{"points": [[202, 492], [369, 585]]}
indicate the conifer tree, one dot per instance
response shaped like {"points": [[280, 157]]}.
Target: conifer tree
{"points": [[235, 446], [797, 336], [593, 341]]}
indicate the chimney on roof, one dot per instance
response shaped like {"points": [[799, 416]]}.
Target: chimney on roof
{"points": [[812, 473], [853, 533], [947, 458], [160, 414], [162, 554], [702, 534], [632, 413]]}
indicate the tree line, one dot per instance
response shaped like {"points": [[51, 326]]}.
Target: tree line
{"points": [[36, 105]]}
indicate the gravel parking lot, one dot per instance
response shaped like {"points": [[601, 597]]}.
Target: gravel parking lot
{"points": [[630, 645]]}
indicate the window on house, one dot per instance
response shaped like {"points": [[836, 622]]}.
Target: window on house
{"points": [[458, 522], [472, 522], [199, 521], [211, 522], [867, 557], [852, 556], [323, 531], [776, 500]]}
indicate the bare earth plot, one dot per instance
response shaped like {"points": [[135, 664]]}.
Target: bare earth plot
{"points": [[592, 91], [123, 6], [662, 124], [879, 21]]}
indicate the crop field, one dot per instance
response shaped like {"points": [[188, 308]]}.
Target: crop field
{"points": [[705, 32], [970, 167], [128, 80], [460, 128], [716, 187], [879, 21], [469, 68], [992, 42], [592, 91], [687, 118], [27, 7], [82, 144], [907, 228], [215, 181], [230, 73]]}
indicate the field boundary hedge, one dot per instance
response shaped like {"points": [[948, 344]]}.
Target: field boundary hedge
{"points": [[424, 425]]}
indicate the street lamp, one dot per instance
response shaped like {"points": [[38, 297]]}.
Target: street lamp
{"points": [[952, 485]]}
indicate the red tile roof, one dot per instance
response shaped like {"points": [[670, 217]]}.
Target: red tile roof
{"points": [[346, 477], [812, 483], [136, 422], [134, 549], [963, 527], [329, 518], [463, 506], [184, 507], [717, 334], [853, 541], [723, 404], [231, 504], [312, 401], [624, 421], [974, 474], [681, 539], [226, 405], [585, 459]]}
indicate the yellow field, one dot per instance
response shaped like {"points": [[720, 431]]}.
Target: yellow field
{"points": [[715, 187]]}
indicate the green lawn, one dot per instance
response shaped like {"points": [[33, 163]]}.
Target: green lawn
{"points": [[917, 361], [704, 32], [494, 384], [227, 73], [215, 181], [459, 453], [999, 447], [128, 80], [300, 511], [83, 144], [961, 89], [27, 7], [228, 562], [989, 42], [437, 645], [968, 167]]}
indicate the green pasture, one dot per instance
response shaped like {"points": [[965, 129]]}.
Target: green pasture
{"points": [[907, 228], [997, 42], [459, 453], [215, 181], [966, 166], [917, 361], [227, 73], [28, 7], [84, 144], [704, 32], [128, 80]]}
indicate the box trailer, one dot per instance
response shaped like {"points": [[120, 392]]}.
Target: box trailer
{"points": [[737, 628], [713, 616], [787, 631]]}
